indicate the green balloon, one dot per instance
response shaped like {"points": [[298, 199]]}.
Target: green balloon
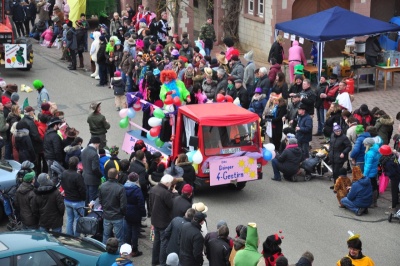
{"points": [[159, 113], [159, 143], [124, 122]]}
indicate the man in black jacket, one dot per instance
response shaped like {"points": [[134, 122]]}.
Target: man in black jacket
{"points": [[91, 169], [242, 94], [288, 162], [140, 166], [161, 202], [218, 249], [183, 202], [112, 198], [72, 45], [52, 145], [102, 62], [29, 114], [192, 241], [24, 201], [75, 194], [308, 97], [319, 104]]}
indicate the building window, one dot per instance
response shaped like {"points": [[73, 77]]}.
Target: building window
{"points": [[260, 8], [254, 10], [250, 9]]}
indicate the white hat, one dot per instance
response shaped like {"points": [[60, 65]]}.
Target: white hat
{"points": [[172, 259], [200, 207], [125, 249]]}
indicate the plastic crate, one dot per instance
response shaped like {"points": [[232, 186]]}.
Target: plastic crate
{"points": [[345, 71]]}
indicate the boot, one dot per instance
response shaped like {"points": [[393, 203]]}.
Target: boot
{"points": [[374, 199], [81, 62], [50, 45]]}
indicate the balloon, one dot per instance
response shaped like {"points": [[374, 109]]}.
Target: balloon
{"points": [[149, 136], [168, 100], [197, 157], [177, 101], [190, 155], [229, 99], [159, 113], [169, 108], [267, 155], [236, 101], [155, 131], [159, 143], [264, 162], [137, 106], [273, 154], [13, 59], [123, 112], [154, 121], [9, 60], [131, 113], [124, 122], [220, 97], [270, 146]]}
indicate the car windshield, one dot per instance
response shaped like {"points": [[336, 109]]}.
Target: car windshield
{"points": [[80, 243], [229, 139]]}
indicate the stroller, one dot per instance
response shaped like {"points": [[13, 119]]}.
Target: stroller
{"points": [[316, 165], [91, 223], [7, 198], [394, 216]]}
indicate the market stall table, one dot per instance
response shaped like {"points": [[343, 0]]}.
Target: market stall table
{"points": [[386, 70], [352, 55]]}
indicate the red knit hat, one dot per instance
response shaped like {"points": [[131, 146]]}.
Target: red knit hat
{"points": [[5, 100]]}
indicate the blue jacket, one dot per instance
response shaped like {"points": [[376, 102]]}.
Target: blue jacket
{"points": [[102, 161], [305, 123], [107, 259], [258, 106], [361, 193], [135, 209], [358, 151], [371, 161]]}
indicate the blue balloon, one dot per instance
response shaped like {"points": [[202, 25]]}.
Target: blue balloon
{"points": [[131, 113], [150, 137], [267, 155], [190, 155]]}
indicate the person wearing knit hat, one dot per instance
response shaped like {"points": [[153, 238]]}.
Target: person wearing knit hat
{"points": [[43, 94], [297, 85], [354, 245], [183, 202], [24, 196], [15, 97], [342, 185], [282, 261], [172, 259], [339, 148], [306, 259], [357, 154], [48, 204]]}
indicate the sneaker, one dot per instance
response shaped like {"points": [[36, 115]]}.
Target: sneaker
{"points": [[360, 211], [276, 179], [136, 254], [118, 109], [331, 187]]}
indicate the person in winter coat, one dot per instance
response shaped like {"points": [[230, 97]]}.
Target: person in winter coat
{"points": [[333, 116], [94, 48], [274, 69], [118, 85], [47, 36], [139, 165], [98, 124], [278, 113], [113, 161], [391, 168], [238, 243], [319, 104], [43, 14], [230, 88], [189, 174], [363, 116], [276, 50], [280, 86], [23, 143], [192, 241], [339, 148], [91, 169], [357, 154], [24, 200], [183, 202], [209, 87], [242, 94], [173, 231], [306, 259], [359, 198], [111, 254], [102, 61], [293, 106], [48, 205], [218, 249], [357, 258], [249, 256], [263, 81], [331, 91], [372, 157], [351, 131], [75, 195], [384, 126], [135, 210], [304, 130], [75, 149], [36, 140], [52, 144], [248, 77], [307, 96], [258, 102], [37, 30], [297, 86], [288, 162], [272, 250], [81, 33], [296, 57], [237, 67], [115, 24], [161, 204], [18, 16], [43, 94]]}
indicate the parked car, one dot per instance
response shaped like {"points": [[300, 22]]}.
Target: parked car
{"points": [[48, 248]]}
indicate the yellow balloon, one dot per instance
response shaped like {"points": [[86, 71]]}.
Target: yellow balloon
{"points": [[13, 59]]}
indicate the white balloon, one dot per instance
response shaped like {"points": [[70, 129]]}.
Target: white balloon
{"points": [[197, 157], [237, 101], [269, 146], [273, 154], [154, 121], [169, 108]]}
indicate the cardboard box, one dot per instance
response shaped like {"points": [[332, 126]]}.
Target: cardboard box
{"points": [[345, 71]]}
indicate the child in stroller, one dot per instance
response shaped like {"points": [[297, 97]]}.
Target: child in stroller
{"points": [[316, 165], [91, 223]]}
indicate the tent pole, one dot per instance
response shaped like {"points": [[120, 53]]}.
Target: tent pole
{"points": [[320, 53], [276, 34]]}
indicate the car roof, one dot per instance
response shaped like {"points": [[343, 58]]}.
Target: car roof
{"points": [[27, 240]]}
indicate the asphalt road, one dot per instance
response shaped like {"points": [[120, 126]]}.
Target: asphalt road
{"points": [[306, 212]]}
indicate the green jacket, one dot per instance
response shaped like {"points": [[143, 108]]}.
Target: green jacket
{"points": [[97, 124], [207, 32], [249, 256]]}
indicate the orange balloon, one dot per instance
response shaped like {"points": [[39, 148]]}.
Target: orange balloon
{"points": [[220, 97], [229, 99], [168, 100]]}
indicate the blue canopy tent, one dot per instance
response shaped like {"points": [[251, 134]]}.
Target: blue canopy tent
{"points": [[333, 24]]}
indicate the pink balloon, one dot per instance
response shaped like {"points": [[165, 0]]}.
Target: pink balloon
{"points": [[123, 112]]}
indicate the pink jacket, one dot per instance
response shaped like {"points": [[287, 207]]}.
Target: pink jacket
{"points": [[296, 53], [47, 35]]}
